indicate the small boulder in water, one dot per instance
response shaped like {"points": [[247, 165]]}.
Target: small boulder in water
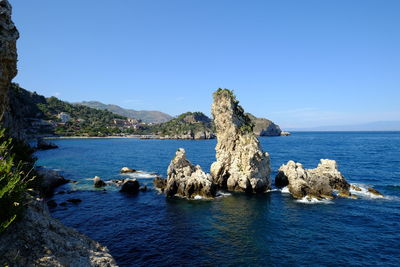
{"points": [[97, 182], [356, 188], [127, 170], [143, 188], [130, 186], [375, 192]]}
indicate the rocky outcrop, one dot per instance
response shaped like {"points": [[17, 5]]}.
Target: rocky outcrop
{"points": [[40, 240], [160, 183], [98, 182], [43, 144], [285, 133], [50, 179], [241, 164], [8, 62], [264, 127], [186, 180], [130, 186], [320, 182]]}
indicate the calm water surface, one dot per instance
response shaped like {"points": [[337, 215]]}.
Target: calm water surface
{"points": [[237, 230]]}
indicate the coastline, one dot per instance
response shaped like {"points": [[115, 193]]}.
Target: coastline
{"points": [[104, 137]]}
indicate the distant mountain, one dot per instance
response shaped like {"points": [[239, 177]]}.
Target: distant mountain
{"points": [[144, 115], [372, 126]]}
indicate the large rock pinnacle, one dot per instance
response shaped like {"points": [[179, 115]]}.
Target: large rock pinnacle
{"points": [[241, 165]]}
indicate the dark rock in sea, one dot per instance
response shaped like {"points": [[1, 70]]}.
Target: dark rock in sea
{"points": [[186, 180], [97, 182], [160, 183], [63, 204], [62, 192], [127, 170], [74, 200], [318, 183], [51, 204], [130, 186], [50, 179], [43, 144]]}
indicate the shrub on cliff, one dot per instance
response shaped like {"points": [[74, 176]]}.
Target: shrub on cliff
{"points": [[15, 174]]}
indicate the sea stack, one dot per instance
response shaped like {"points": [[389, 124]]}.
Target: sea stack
{"points": [[188, 181], [319, 182], [241, 164]]}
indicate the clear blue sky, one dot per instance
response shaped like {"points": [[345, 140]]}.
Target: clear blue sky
{"points": [[300, 63]]}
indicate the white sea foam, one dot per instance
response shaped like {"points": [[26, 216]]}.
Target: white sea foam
{"points": [[285, 190], [274, 190], [197, 197], [364, 193], [140, 175], [312, 200], [223, 194]]}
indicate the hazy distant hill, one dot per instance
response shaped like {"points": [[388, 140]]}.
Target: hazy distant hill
{"points": [[144, 115], [372, 126]]}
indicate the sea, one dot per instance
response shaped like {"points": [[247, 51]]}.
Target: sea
{"points": [[235, 229]]}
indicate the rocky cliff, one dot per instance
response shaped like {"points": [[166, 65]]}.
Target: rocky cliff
{"points": [[40, 240], [8, 61], [241, 164], [264, 127]]}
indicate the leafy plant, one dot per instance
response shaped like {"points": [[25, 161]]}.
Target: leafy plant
{"points": [[14, 179]]}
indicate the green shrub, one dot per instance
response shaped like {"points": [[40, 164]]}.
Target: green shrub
{"points": [[14, 179]]}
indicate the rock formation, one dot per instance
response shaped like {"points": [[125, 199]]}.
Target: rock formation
{"points": [[264, 127], [98, 182], [130, 186], [187, 180], [127, 170], [50, 179], [319, 182], [8, 61], [40, 240], [241, 165]]}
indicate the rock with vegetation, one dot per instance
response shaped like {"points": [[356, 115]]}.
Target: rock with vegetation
{"points": [[189, 125], [188, 181], [40, 240], [320, 182], [241, 164], [264, 127]]}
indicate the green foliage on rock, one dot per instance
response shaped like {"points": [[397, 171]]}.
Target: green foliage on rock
{"points": [[16, 165], [185, 123]]}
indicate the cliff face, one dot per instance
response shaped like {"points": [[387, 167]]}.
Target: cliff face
{"points": [[40, 240], [264, 127], [241, 165], [8, 60]]}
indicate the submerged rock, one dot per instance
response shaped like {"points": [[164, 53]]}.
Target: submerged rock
{"points": [[186, 180], [375, 192], [40, 240], [241, 164], [130, 186], [319, 182], [127, 170], [97, 182]]}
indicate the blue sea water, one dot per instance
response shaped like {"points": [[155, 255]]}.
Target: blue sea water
{"points": [[271, 229]]}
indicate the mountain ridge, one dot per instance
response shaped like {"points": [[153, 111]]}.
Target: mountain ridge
{"points": [[148, 116]]}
